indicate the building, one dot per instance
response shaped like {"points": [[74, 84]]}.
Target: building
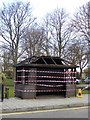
{"points": [[44, 75]]}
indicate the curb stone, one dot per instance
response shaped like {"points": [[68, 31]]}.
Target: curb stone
{"points": [[43, 108]]}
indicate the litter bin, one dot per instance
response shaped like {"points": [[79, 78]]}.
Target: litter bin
{"points": [[7, 92]]}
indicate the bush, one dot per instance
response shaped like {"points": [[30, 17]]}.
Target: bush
{"points": [[10, 82]]}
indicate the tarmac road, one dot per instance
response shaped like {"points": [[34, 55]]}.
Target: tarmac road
{"points": [[80, 112]]}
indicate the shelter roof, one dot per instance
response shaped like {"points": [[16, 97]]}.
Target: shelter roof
{"points": [[45, 61]]}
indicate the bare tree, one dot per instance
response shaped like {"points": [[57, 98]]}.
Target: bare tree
{"points": [[47, 46], [59, 31], [76, 54], [81, 26], [34, 40], [14, 19], [81, 22], [6, 64]]}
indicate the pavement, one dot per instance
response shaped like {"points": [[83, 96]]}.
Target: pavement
{"points": [[42, 103]]}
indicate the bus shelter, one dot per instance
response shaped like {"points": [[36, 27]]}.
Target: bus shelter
{"points": [[45, 75]]}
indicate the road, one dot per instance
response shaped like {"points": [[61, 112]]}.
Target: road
{"points": [[81, 112]]}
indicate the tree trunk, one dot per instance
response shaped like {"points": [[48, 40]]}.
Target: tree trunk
{"points": [[80, 73]]}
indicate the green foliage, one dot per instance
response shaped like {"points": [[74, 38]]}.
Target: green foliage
{"points": [[2, 78], [9, 74], [11, 91], [10, 82], [86, 92]]}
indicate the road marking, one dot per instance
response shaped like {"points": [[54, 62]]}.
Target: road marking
{"points": [[30, 112]]}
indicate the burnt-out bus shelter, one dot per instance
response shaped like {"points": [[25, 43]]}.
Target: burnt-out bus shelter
{"points": [[44, 75]]}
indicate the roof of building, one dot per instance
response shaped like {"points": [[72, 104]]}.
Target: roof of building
{"points": [[45, 61]]}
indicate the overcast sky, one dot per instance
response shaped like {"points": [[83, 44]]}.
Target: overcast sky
{"points": [[41, 7]]}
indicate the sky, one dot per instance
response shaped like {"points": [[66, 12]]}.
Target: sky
{"points": [[41, 7]]}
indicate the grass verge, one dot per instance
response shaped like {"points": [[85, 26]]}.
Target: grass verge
{"points": [[86, 92]]}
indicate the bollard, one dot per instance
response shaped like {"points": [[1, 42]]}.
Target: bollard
{"points": [[7, 92], [79, 93]]}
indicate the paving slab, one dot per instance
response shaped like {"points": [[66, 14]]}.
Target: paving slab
{"points": [[42, 103]]}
